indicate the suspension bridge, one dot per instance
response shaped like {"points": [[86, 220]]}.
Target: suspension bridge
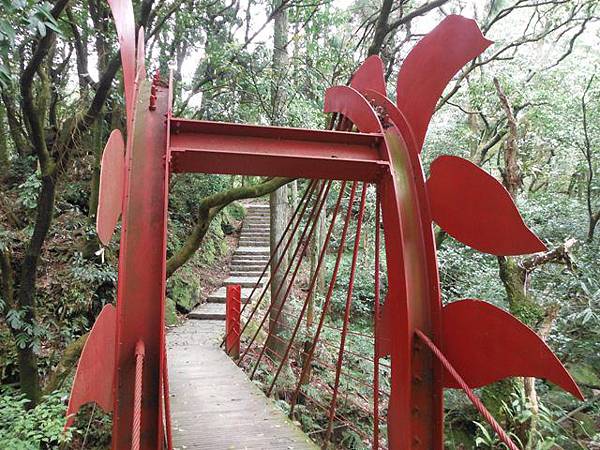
{"points": [[367, 162], [214, 404]]}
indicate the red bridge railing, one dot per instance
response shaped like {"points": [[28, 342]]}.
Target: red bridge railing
{"points": [[317, 351], [345, 387]]}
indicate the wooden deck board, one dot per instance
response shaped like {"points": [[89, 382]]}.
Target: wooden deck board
{"points": [[213, 403]]}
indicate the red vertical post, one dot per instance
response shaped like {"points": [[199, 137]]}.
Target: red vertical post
{"points": [[141, 287], [232, 320]]}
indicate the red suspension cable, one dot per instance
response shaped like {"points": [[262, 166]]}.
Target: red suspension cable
{"points": [[347, 311], [137, 396], [167, 399], [504, 437], [327, 300], [299, 245], [314, 219], [311, 286], [302, 204], [375, 329]]}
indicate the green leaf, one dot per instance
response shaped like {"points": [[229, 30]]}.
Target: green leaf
{"points": [[41, 28], [8, 31]]}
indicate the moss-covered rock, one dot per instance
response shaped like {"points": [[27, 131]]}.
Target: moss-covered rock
{"points": [[184, 291]]}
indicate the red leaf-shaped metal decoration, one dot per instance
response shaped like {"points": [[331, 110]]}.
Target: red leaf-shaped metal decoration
{"points": [[122, 11], [396, 116], [140, 66], [112, 179], [349, 102], [94, 377], [486, 344], [431, 65], [474, 208], [369, 76]]}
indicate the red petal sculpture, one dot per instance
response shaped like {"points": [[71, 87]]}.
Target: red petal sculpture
{"points": [[396, 116], [431, 65], [478, 343], [140, 66], [369, 76], [94, 377], [110, 195], [349, 102], [473, 207], [122, 11], [486, 344]]}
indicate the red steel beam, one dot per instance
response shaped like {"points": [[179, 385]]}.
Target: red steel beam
{"points": [[228, 148]]}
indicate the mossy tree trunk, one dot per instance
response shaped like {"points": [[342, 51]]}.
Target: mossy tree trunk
{"points": [[278, 201], [515, 273]]}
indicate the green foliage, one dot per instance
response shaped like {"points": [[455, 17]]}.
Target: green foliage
{"points": [[29, 191], [32, 429], [27, 334], [17, 17]]}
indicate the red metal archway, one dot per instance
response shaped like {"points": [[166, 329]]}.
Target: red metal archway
{"points": [[122, 367]]}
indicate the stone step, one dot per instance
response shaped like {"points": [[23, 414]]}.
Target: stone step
{"points": [[250, 257], [252, 264], [252, 251], [253, 269], [220, 295], [263, 238], [252, 243], [241, 263], [247, 273], [252, 254], [245, 282], [255, 234], [245, 252], [208, 311]]}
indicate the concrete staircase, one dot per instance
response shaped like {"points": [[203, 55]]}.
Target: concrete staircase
{"points": [[246, 265]]}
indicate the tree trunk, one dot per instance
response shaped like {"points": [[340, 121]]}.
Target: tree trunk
{"points": [[4, 155], [529, 383], [514, 274], [315, 248], [293, 190], [277, 343], [381, 28], [97, 146], [28, 368]]}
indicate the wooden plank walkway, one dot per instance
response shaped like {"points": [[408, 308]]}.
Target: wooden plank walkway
{"points": [[213, 403]]}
